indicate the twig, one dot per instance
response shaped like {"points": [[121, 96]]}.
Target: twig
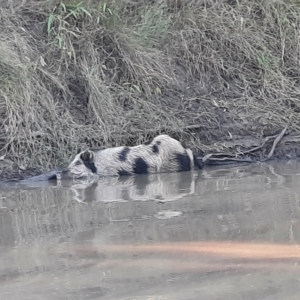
{"points": [[192, 126], [260, 146], [221, 154], [232, 159], [209, 158], [206, 157], [276, 141]]}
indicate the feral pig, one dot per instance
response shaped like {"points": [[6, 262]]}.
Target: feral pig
{"points": [[162, 155]]}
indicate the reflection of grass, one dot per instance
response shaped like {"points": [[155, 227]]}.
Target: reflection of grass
{"points": [[103, 73]]}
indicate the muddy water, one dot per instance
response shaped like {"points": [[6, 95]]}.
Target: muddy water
{"points": [[223, 233]]}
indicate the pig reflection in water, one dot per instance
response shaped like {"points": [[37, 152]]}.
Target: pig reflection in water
{"points": [[159, 187]]}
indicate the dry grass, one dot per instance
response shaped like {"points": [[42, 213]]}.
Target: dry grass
{"points": [[106, 73]]}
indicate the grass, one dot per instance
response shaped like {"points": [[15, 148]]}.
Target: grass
{"points": [[106, 73]]}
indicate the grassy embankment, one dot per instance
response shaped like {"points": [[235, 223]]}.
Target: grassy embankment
{"points": [[105, 73]]}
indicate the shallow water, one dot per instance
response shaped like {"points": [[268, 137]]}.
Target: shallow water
{"points": [[222, 233]]}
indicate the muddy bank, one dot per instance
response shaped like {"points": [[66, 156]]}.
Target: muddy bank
{"points": [[282, 145], [219, 76]]}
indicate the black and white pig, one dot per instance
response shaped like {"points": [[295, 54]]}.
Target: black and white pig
{"points": [[163, 154]]}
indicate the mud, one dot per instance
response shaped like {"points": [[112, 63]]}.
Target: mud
{"points": [[221, 233]]}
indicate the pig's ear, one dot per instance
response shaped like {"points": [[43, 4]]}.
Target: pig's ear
{"points": [[87, 156]]}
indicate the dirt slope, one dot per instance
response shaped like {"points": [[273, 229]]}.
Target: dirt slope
{"points": [[218, 75]]}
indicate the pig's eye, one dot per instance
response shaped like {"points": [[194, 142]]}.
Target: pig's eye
{"points": [[78, 163]]}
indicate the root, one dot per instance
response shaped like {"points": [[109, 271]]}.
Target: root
{"points": [[242, 157], [276, 141]]}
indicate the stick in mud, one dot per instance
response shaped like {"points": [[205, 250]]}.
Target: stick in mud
{"points": [[276, 141], [227, 158]]}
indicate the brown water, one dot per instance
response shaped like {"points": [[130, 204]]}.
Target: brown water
{"points": [[223, 233]]}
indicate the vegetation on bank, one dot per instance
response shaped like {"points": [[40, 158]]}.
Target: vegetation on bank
{"points": [[106, 73]]}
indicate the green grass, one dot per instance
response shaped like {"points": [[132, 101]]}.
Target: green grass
{"points": [[106, 73]]}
